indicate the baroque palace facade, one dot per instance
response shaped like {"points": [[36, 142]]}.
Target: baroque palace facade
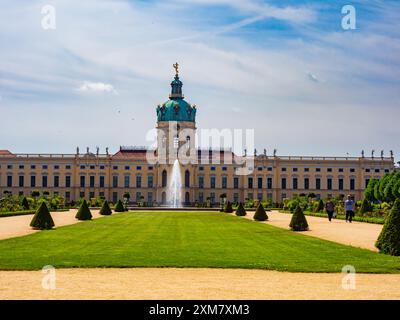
{"points": [[90, 175]]}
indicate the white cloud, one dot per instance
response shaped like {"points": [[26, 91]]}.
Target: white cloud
{"points": [[97, 87]]}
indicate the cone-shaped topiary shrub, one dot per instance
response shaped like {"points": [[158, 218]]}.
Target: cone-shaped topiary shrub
{"points": [[42, 218], [84, 212], [119, 207], [299, 221], [25, 204], [320, 207], [105, 209], [260, 214], [228, 207], [365, 206], [389, 239], [240, 211]]}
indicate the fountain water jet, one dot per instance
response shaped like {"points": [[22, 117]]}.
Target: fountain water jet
{"points": [[175, 186]]}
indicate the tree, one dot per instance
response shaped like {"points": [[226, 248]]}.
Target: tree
{"points": [[119, 207], [369, 190], [42, 218], [389, 239], [105, 209], [320, 207], [365, 206], [25, 204], [228, 207], [298, 221], [260, 214], [84, 212], [240, 211]]}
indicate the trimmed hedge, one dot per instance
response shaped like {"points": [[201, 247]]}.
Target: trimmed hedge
{"points": [[260, 214], [42, 218], [228, 207], [320, 207], [25, 204], [389, 239], [298, 221], [240, 211], [105, 209], [119, 207], [84, 212]]}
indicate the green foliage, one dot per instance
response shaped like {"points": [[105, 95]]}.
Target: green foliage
{"points": [[386, 189], [369, 190], [42, 218], [84, 212], [298, 221], [25, 204], [365, 206], [35, 193], [105, 209], [228, 207], [320, 207], [260, 214], [389, 239], [240, 211], [119, 207]]}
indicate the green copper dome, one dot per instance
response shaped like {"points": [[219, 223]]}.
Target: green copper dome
{"points": [[176, 108]]}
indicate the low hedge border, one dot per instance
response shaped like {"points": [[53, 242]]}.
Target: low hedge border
{"points": [[25, 212], [374, 220]]}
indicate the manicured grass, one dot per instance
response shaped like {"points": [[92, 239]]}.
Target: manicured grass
{"points": [[185, 239], [4, 214]]}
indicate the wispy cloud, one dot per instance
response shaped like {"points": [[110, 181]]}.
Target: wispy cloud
{"points": [[97, 87]]}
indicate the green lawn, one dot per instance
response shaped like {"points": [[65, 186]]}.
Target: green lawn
{"points": [[185, 239]]}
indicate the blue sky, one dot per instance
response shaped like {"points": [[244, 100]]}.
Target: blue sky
{"points": [[287, 69]]}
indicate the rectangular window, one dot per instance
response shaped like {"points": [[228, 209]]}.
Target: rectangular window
{"points": [[212, 182], [150, 197], [259, 196], [21, 181], [306, 169], [318, 183], [306, 183], [115, 181], [33, 181], [224, 182], [115, 197], [9, 166], [68, 167], [201, 197], [138, 196], [91, 194], [56, 167], [212, 197], [352, 170], [269, 183], [236, 197], [82, 181], [138, 181], [329, 183], [138, 168], [283, 183], [91, 182], [283, 169], [295, 183], [82, 194], [150, 181], [127, 167], [68, 181], [340, 169], [126, 181], [44, 167], [317, 169], [102, 167], [44, 181], [21, 166], [250, 182], [212, 169], [9, 181], [259, 183], [56, 181], [236, 183], [224, 168], [269, 169], [82, 167], [67, 195], [352, 184], [341, 185], [115, 167], [295, 170], [33, 166], [201, 182], [92, 167], [102, 183]]}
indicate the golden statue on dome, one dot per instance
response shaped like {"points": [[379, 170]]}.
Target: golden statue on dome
{"points": [[176, 67]]}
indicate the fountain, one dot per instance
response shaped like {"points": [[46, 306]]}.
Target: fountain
{"points": [[175, 186]]}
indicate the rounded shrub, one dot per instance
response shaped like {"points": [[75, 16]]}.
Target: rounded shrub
{"points": [[389, 239], [320, 206], [365, 206], [240, 211], [260, 214], [84, 212], [42, 218], [105, 209], [228, 207], [119, 207], [298, 221]]}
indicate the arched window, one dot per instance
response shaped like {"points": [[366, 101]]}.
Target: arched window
{"points": [[187, 198], [187, 179], [164, 178], [188, 142]]}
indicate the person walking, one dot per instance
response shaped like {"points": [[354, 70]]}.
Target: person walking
{"points": [[349, 208], [330, 208]]}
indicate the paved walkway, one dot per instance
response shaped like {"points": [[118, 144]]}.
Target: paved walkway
{"points": [[357, 234], [198, 283], [19, 225]]}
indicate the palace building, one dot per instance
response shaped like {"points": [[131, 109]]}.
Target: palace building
{"points": [[205, 177]]}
